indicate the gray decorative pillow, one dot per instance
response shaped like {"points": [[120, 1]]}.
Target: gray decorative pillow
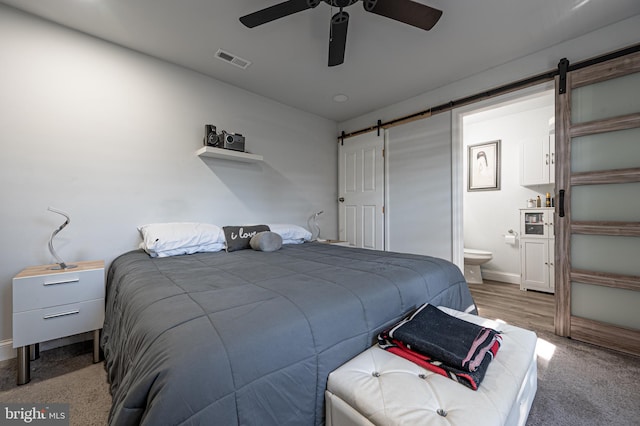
{"points": [[238, 237], [266, 241]]}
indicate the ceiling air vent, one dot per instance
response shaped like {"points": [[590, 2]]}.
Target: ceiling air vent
{"points": [[232, 59]]}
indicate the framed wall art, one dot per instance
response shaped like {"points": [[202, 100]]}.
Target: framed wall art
{"points": [[484, 166]]}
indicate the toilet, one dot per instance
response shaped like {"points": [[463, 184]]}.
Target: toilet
{"points": [[473, 258]]}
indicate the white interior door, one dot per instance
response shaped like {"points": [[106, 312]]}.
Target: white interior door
{"points": [[361, 191]]}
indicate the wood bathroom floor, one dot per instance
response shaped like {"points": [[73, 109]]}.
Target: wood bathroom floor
{"points": [[532, 310]]}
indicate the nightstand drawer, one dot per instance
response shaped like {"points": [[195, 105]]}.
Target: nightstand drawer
{"points": [[41, 291], [51, 323]]}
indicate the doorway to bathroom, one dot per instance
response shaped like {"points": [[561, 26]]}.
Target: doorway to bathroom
{"points": [[511, 136]]}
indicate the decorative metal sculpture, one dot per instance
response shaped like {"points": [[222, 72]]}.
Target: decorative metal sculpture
{"points": [[313, 225], [61, 264]]}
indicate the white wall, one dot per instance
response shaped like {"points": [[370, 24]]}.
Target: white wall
{"points": [[489, 215], [110, 135]]}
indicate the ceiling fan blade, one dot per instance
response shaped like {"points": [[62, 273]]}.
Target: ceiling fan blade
{"points": [[277, 11], [338, 40], [407, 11]]}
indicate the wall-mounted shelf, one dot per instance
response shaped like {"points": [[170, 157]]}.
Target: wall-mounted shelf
{"points": [[228, 154]]}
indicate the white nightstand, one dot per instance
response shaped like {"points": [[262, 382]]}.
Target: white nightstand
{"points": [[49, 304]]}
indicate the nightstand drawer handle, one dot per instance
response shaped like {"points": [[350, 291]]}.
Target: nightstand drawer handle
{"points": [[63, 282], [61, 314]]}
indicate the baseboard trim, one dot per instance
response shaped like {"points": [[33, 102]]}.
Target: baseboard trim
{"points": [[8, 352], [505, 277]]}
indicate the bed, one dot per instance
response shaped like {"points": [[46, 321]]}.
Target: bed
{"points": [[249, 337]]}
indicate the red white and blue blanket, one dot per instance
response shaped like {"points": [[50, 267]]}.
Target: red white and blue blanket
{"points": [[444, 344]]}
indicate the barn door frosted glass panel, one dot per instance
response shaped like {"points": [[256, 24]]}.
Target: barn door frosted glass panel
{"points": [[606, 202], [612, 202], [601, 304], [607, 99], [604, 253], [606, 151]]}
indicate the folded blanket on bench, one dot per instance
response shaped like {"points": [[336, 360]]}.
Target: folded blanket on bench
{"points": [[443, 344], [456, 342], [469, 379]]}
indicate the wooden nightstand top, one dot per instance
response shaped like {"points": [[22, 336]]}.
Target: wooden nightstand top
{"points": [[34, 271]]}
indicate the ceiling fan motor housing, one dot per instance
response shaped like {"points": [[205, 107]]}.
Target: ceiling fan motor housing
{"points": [[340, 3]]}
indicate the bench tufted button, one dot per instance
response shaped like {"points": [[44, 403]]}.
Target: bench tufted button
{"points": [[441, 412], [375, 374]]}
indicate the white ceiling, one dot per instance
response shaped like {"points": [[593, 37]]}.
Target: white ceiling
{"points": [[385, 62]]}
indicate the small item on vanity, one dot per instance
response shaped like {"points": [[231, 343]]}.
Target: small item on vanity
{"points": [[538, 202], [553, 202], [548, 200], [531, 202]]}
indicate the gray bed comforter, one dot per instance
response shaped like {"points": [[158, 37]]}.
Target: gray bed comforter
{"points": [[248, 337]]}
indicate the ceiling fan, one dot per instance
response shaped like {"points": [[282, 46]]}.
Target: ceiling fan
{"points": [[406, 11]]}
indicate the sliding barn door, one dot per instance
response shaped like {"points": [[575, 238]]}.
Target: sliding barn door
{"points": [[598, 209], [361, 191]]}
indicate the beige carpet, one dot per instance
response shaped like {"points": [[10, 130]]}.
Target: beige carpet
{"points": [[63, 375]]}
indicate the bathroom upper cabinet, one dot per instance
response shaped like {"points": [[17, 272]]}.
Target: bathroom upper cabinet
{"points": [[537, 161], [537, 244]]}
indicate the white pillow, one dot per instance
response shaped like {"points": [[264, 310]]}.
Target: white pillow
{"points": [[170, 239], [291, 234], [185, 250], [298, 241]]}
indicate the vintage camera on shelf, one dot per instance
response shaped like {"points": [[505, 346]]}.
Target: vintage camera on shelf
{"points": [[234, 141], [210, 135], [226, 140]]}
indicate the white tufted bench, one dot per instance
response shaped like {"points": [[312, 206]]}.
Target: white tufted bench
{"points": [[380, 388]]}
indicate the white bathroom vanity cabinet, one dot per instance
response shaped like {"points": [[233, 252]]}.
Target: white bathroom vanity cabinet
{"points": [[537, 241]]}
